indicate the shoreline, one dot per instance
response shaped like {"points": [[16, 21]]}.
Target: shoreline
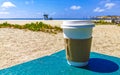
{"points": [[22, 22], [50, 22]]}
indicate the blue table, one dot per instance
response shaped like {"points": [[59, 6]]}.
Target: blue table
{"points": [[56, 64]]}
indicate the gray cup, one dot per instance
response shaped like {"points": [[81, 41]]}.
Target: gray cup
{"points": [[78, 37]]}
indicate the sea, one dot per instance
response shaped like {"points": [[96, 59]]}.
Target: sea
{"points": [[48, 19]]}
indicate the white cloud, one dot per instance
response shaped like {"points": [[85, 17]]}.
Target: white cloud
{"points": [[106, 5], [8, 5], [4, 13], [74, 7], [98, 9], [109, 5]]}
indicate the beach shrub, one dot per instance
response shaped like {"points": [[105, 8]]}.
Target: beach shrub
{"points": [[118, 24], [38, 26], [5, 24], [58, 29], [17, 26]]}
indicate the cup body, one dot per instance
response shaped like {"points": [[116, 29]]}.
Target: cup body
{"points": [[78, 38]]}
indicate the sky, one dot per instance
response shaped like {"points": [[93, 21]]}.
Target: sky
{"points": [[58, 8]]}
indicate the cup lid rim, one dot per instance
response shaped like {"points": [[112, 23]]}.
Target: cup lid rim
{"points": [[77, 24]]}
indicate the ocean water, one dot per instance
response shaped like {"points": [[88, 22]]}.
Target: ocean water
{"points": [[42, 19]]}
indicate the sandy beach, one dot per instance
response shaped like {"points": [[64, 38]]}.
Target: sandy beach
{"points": [[22, 22], [18, 46]]}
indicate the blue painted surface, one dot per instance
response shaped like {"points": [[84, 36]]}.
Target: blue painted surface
{"points": [[56, 64]]}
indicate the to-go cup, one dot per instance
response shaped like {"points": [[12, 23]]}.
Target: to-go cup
{"points": [[78, 37]]}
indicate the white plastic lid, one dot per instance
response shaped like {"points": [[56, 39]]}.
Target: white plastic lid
{"points": [[77, 24]]}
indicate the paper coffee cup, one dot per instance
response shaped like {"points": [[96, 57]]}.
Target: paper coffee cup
{"points": [[78, 37], [77, 29]]}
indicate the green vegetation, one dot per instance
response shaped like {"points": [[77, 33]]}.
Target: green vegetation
{"points": [[38, 26], [103, 22], [118, 24]]}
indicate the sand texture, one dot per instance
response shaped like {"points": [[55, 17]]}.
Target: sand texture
{"points": [[22, 22], [106, 40], [18, 46]]}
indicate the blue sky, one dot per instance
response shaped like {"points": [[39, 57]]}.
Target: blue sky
{"points": [[58, 8]]}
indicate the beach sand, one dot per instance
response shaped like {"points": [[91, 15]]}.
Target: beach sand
{"points": [[22, 22], [18, 46]]}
